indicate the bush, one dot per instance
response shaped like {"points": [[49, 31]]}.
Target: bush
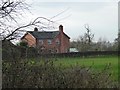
{"points": [[10, 51], [22, 73], [13, 52]]}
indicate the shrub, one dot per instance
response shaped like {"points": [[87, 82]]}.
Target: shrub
{"points": [[20, 73]]}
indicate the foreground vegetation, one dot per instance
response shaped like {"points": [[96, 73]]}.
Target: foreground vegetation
{"points": [[59, 73], [96, 63]]}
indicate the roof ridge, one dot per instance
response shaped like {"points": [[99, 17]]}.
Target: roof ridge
{"points": [[42, 31], [44, 34]]}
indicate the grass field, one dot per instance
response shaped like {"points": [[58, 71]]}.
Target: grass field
{"points": [[62, 71], [96, 63]]}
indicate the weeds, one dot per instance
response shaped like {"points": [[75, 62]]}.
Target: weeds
{"points": [[20, 73]]}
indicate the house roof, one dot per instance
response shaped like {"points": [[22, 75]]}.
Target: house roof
{"points": [[44, 34]]}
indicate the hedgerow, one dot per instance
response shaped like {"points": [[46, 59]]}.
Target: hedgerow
{"points": [[23, 74]]}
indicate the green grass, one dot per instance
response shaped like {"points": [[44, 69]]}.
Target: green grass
{"points": [[33, 68], [97, 63]]}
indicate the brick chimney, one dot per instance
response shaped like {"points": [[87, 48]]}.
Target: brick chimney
{"points": [[35, 29], [61, 28]]}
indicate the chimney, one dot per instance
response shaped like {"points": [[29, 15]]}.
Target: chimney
{"points": [[61, 28], [35, 29]]}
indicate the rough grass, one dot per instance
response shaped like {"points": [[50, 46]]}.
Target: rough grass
{"points": [[61, 73], [96, 63]]}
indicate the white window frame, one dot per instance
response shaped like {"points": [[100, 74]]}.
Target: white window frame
{"points": [[49, 42]]}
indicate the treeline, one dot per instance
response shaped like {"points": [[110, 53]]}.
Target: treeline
{"points": [[86, 43], [10, 51], [100, 45]]}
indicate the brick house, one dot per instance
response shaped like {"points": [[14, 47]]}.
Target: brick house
{"points": [[48, 41]]}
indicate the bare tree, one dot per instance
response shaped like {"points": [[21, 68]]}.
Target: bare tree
{"points": [[116, 44], [88, 35], [84, 42], [103, 45], [14, 34], [10, 10]]}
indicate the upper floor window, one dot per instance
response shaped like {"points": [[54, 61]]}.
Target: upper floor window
{"points": [[41, 42], [49, 41], [57, 41]]}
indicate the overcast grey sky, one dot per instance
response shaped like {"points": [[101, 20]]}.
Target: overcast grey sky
{"points": [[102, 17]]}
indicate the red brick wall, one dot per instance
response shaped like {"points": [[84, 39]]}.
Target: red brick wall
{"points": [[65, 43], [30, 40], [54, 47], [61, 48]]}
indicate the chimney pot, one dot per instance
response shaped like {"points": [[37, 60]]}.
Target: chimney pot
{"points": [[35, 29], [61, 28]]}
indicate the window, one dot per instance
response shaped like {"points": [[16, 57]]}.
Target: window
{"points": [[56, 50], [57, 41], [49, 41], [40, 42]]}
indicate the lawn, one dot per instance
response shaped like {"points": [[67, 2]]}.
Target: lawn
{"points": [[96, 63]]}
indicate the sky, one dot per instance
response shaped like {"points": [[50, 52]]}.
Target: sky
{"points": [[101, 16]]}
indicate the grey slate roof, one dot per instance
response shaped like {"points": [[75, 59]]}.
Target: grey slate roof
{"points": [[44, 34]]}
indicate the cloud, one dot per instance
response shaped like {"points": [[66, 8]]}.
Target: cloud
{"points": [[101, 16]]}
